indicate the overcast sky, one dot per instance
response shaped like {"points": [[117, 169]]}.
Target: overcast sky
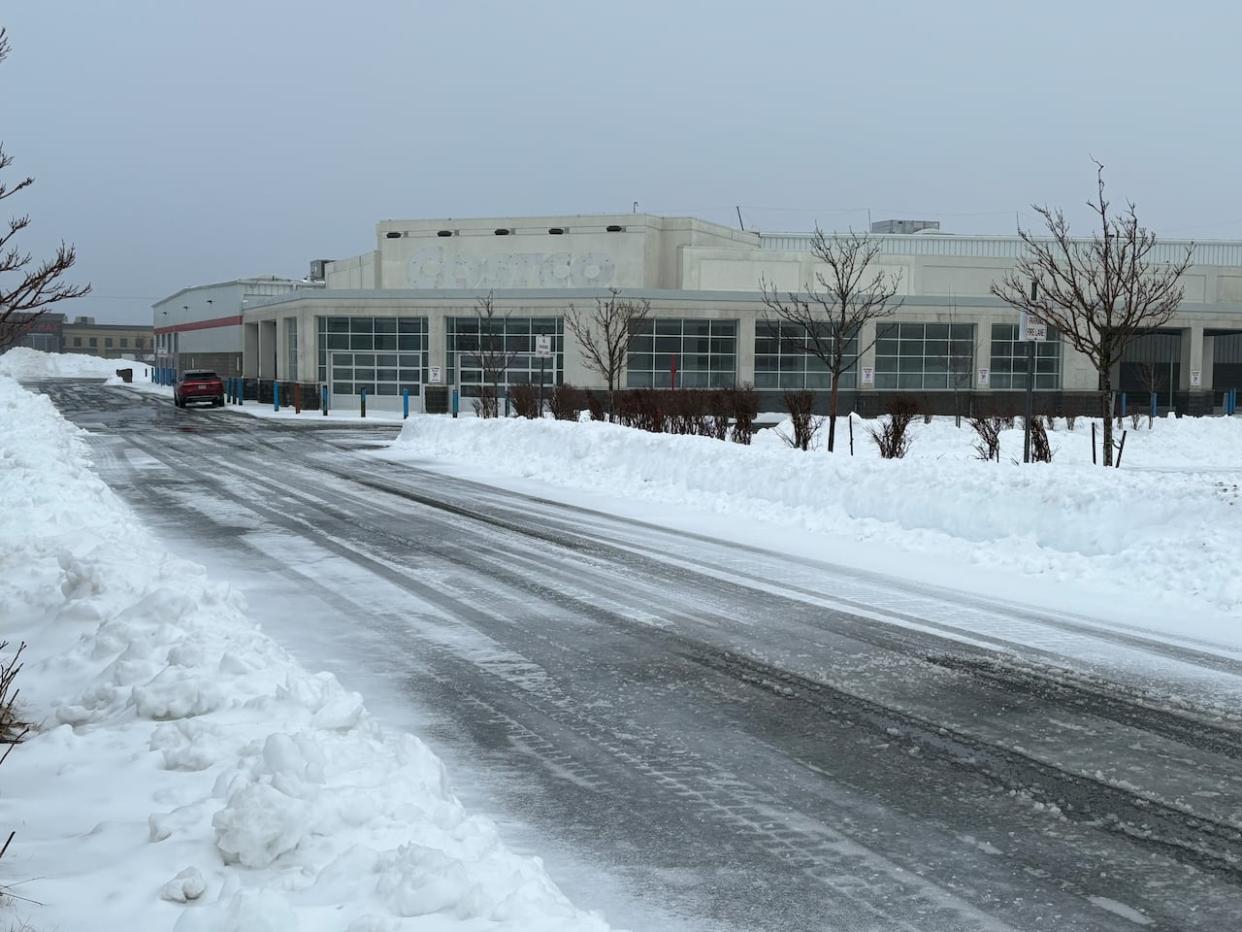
{"points": [[178, 143]]}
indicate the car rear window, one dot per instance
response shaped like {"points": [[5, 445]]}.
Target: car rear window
{"points": [[203, 375]]}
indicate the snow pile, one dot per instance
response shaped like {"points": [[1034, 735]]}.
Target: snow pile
{"points": [[21, 362], [1188, 443], [1174, 534], [187, 774]]}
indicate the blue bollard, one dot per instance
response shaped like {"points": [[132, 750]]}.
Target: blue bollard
{"points": [[456, 402], [323, 399], [1123, 404], [275, 396], [364, 402], [405, 403], [1153, 405]]}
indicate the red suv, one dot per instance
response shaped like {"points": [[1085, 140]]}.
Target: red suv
{"points": [[199, 385]]}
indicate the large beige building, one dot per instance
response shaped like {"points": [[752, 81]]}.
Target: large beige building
{"points": [[404, 314]]}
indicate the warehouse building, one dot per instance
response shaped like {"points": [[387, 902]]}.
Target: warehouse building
{"points": [[405, 314], [201, 327]]}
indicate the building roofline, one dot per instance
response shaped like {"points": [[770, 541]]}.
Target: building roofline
{"points": [[252, 280], [560, 295], [74, 325]]}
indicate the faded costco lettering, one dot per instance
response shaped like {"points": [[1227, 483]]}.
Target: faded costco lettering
{"points": [[432, 267]]}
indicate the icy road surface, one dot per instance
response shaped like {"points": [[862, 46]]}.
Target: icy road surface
{"points": [[699, 735]]}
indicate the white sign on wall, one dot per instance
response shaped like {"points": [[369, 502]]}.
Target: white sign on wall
{"points": [[984, 375], [1031, 330], [436, 375], [437, 267], [543, 347], [1196, 378], [868, 375]]}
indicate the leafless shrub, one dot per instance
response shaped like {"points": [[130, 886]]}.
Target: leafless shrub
{"points": [[12, 728], [525, 400], [1070, 421], [595, 405], [686, 410], [893, 438], [1136, 418], [488, 403], [641, 408], [720, 410], [1041, 449], [745, 410], [988, 429], [800, 406], [566, 403]]}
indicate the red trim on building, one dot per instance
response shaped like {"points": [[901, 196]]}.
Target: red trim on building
{"points": [[202, 324]]}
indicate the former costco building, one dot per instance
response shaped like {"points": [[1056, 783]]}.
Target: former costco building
{"points": [[403, 313]]}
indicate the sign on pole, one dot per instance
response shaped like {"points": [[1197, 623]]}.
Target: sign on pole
{"points": [[1031, 330], [543, 347], [868, 375]]}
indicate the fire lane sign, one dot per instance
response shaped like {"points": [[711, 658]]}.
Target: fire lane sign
{"points": [[1031, 330]]}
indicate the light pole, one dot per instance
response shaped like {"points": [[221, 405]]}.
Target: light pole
{"points": [[1030, 381]]}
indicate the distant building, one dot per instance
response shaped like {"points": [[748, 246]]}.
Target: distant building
{"points": [[111, 341], [904, 226], [44, 333]]}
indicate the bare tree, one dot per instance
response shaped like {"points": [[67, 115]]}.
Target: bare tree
{"points": [[959, 364], [604, 335], [494, 358], [36, 288], [1100, 294], [828, 317]]}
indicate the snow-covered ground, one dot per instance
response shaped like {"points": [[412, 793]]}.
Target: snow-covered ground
{"points": [[1154, 542], [185, 772]]}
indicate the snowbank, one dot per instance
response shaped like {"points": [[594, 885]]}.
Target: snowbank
{"points": [[1173, 536], [187, 774], [1187, 444], [21, 362]]}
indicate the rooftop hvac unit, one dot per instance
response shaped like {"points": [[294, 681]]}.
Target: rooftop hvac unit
{"points": [[318, 269]]}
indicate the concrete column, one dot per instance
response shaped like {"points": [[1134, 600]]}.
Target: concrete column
{"points": [[1192, 359], [983, 353], [1209, 359], [866, 359], [282, 349], [745, 358], [250, 350], [437, 342], [268, 349], [308, 347]]}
